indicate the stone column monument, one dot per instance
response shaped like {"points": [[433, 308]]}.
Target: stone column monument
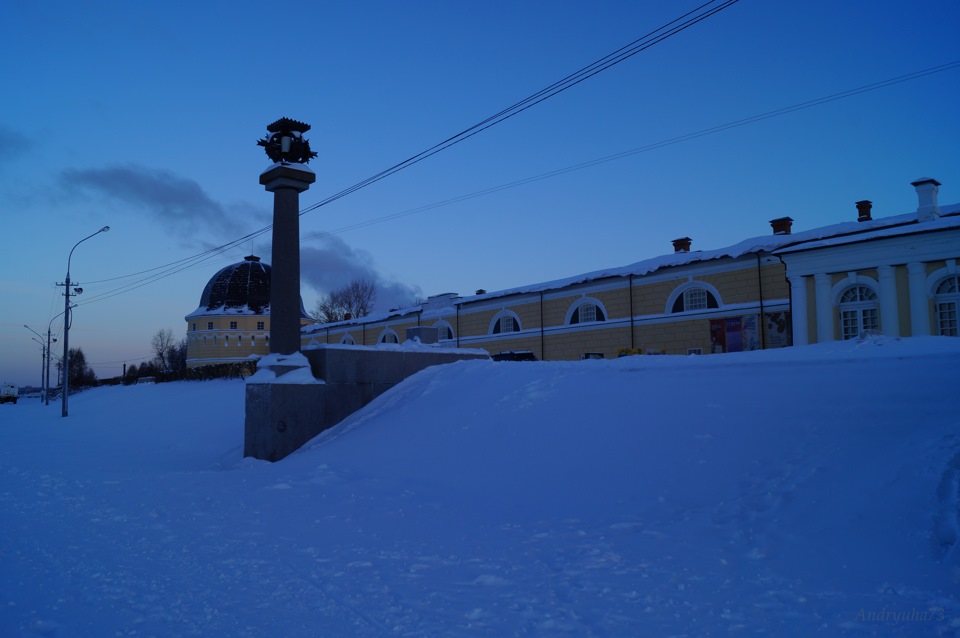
{"points": [[286, 179], [297, 394]]}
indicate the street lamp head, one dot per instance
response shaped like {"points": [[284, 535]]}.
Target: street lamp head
{"points": [[104, 229]]}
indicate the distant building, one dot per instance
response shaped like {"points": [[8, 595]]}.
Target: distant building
{"points": [[895, 276], [232, 322]]}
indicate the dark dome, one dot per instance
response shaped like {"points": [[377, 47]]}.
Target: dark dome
{"points": [[243, 285]]}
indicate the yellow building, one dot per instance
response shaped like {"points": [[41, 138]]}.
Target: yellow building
{"points": [[897, 276], [232, 322]]}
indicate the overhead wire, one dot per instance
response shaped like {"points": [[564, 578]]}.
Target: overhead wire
{"points": [[645, 148], [175, 267], [641, 44], [656, 36]]}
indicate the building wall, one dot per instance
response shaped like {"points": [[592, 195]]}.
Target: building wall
{"points": [[902, 271], [755, 299], [637, 316], [224, 343]]}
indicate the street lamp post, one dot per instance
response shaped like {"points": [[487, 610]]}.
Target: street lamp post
{"points": [[46, 354], [50, 355], [43, 360], [66, 321]]}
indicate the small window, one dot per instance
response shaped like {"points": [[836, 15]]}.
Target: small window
{"points": [[859, 312], [506, 323], [587, 313], [233, 325], [444, 331], [253, 341], [209, 325], [694, 350], [194, 327], [947, 302], [694, 299], [259, 325]]}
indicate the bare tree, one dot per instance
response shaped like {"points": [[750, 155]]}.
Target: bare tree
{"points": [[177, 357], [356, 299], [161, 343]]}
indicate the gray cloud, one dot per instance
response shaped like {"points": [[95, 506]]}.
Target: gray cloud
{"points": [[180, 205], [331, 264], [12, 143]]}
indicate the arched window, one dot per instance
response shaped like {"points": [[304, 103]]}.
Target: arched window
{"points": [[859, 312], [388, 336], [586, 310], [347, 340], [947, 301], [694, 298], [444, 330], [504, 322]]}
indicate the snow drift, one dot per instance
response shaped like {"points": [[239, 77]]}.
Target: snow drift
{"points": [[791, 492]]}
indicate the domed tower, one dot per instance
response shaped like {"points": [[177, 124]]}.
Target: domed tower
{"points": [[232, 322]]}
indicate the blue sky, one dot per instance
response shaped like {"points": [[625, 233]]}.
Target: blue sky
{"points": [[144, 117]]}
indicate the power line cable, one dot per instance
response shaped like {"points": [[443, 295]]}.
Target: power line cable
{"points": [[641, 44], [201, 259], [656, 36], [648, 147]]}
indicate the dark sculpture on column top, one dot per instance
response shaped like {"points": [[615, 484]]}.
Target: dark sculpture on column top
{"points": [[285, 142]]}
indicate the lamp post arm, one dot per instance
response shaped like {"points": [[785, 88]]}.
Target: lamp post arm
{"points": [[66, 323], [70, 256]]}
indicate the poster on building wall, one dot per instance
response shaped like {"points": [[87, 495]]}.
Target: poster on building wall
{"points": [[718, 336], [735, 334], [779, 329]]}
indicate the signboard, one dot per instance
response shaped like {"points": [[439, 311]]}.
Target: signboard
{"points": [[734, 334], [779, 329]]}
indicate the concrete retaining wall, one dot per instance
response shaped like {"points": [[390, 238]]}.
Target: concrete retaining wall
{"points": [[281, 417]]}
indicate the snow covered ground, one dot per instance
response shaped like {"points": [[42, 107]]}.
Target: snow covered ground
{"points": [[806, 491]]}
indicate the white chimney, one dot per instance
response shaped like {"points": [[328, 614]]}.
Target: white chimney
{"points": [[927, 188]]}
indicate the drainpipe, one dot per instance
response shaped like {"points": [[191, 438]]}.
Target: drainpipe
{"points": [[763, 320], [458, 325], [542, 357], [789, 296], [632, 338]]}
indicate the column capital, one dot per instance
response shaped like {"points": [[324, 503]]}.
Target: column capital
{"points": [[283, 175]]}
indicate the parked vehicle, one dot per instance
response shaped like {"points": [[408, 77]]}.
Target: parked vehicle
{"points": [[9, 393]]}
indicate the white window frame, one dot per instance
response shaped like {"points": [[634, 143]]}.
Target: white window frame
{"points": [[861, 315], [947, 306], [580, 303], [682, 290], [500, 315], [444, 326], [388, 333]]}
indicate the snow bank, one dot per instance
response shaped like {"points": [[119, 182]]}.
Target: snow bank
{"points": [[796, 492]]}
